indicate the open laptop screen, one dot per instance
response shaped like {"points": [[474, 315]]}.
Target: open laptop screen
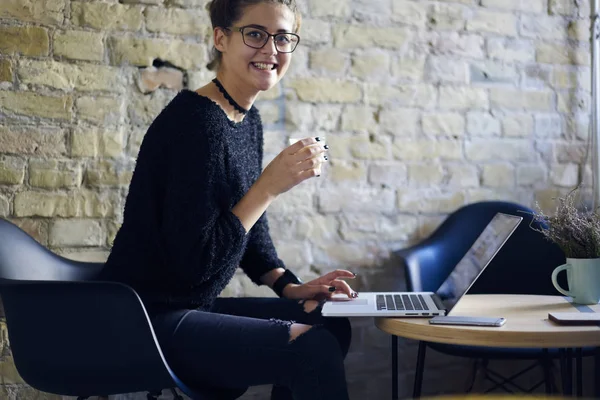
{"points": [[489, 242]]}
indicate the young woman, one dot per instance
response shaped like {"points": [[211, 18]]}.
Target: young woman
{"points": [[195, 212]]}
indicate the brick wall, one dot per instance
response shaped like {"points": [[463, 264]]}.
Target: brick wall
{"points": [[427, 105]]}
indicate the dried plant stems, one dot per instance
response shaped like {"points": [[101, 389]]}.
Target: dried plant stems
{"points": [[575, 231]]}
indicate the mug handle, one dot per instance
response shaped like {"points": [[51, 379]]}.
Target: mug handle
{"points": [[555, 273]]}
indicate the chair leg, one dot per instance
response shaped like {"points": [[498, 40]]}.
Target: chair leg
{"points": [[153, 395], [394, 367], [420, 368], [471, 381], [176, 395]]}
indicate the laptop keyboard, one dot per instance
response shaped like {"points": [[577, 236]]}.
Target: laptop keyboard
{"points": [[408, 302]]}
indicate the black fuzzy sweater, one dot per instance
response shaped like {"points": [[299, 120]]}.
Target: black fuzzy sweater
{"points": [[179, 244]]}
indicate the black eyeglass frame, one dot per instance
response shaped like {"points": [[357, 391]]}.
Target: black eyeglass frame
{"points": [[241, 30]]}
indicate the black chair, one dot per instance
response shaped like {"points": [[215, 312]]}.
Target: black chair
{"points": [[526, 255], [73, 336]]}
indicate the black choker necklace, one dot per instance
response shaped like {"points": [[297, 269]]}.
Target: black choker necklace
{"points": [[229, 98]]}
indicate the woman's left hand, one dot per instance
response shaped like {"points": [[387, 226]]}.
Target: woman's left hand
{"points": [[324, 286]]}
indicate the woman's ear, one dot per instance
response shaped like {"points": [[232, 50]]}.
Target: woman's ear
{"points": [[220, 39]]}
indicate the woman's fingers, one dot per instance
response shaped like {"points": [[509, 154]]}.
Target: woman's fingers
{"points": [[339, 273], [343, 287], [316, 150]]}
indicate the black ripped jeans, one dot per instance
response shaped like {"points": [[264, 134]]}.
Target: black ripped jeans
{"points": [[245, 342]]}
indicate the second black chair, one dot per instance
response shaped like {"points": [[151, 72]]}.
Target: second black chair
{"points": [[523, 266]]}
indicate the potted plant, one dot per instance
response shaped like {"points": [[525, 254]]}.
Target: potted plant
{"points": [[576, 230]]}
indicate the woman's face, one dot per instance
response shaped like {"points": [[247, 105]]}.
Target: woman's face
{"points": [[258, 69]]}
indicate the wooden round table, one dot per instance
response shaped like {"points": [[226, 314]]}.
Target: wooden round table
{"points": [[527, 325]]}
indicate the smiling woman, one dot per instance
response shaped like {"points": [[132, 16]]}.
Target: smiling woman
{"points": [[195, 212]]}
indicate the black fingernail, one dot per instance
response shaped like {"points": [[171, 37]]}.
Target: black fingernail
{"points": [[326, 147], [318, 139], [332, 288], [326, 158], [354, 274], [318, 176]]}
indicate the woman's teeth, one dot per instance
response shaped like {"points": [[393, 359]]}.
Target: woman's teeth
{"points": [[264, 66]]}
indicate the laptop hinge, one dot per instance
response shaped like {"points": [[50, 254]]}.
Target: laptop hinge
{"points": [[438, 302]]}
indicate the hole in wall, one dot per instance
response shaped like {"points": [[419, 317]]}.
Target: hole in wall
{"points": [[162, 74]]}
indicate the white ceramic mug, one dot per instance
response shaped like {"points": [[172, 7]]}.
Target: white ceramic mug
{"points": [[583, 277]]}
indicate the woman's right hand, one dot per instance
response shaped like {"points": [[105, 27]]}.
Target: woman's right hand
{"points": [[293, 165]]}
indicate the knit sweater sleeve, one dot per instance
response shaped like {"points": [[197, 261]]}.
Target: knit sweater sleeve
{"points": [[261, 256], [203, 237]]}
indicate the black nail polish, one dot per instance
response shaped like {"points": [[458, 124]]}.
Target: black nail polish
{"points": [[318, 176], [326, 158], [355, 274], [318, 139], [326, 147], [332, 289]]}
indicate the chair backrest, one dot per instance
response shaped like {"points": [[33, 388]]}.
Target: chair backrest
{"points": [[523, 265], [23, 258]]}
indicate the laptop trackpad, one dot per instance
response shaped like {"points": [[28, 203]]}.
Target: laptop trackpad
{"points": [[355, 302]]}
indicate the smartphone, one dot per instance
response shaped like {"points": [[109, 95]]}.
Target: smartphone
{"points": [[469, 321], [575, 318]]}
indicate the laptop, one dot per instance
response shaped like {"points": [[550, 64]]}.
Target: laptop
{"points": [[427, 304]]}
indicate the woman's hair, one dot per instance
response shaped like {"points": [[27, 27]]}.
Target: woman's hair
{"points": [[224, 13]]}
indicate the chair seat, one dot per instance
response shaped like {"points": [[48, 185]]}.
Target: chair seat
{"points": [[499, 353]]}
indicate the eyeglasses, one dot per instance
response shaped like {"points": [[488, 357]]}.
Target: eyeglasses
{"points": [[258, 38]]}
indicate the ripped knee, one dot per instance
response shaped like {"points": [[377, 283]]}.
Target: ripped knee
{"points": [[310, 305], [297, 330]]}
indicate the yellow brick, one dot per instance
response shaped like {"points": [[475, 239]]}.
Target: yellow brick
{"points": [[410, 67], [99, 109], [47, 11], [410, 12], [370, 65], [462, 97], [355, 36], [28, 41], [109, 173], [499, 149], [76, 232], [553, 53], [417, 95], [331, 8], [4, 206], [32, 140], [425, 175], [6, 71], [532, 6], [322, 90], [359, 118], [493, 22], [429, 200], [370, 148], [178, 21], [54, 174], [343, 171], [449, 17], [28, 103], [271, 94], [107, 16], [329, 60], [12, 170], [9, 373], [85, 77], [519, 99], [141, 52], [96, 142], [444, 124], [499, 175], [423, 149], [82, 203], [79, 45]]}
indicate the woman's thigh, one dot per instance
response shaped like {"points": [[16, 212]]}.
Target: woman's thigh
{"points": [[304, 312], [219, 350]]}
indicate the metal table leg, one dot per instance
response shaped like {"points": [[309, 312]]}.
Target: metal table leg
{"points": [[419, 373]]}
